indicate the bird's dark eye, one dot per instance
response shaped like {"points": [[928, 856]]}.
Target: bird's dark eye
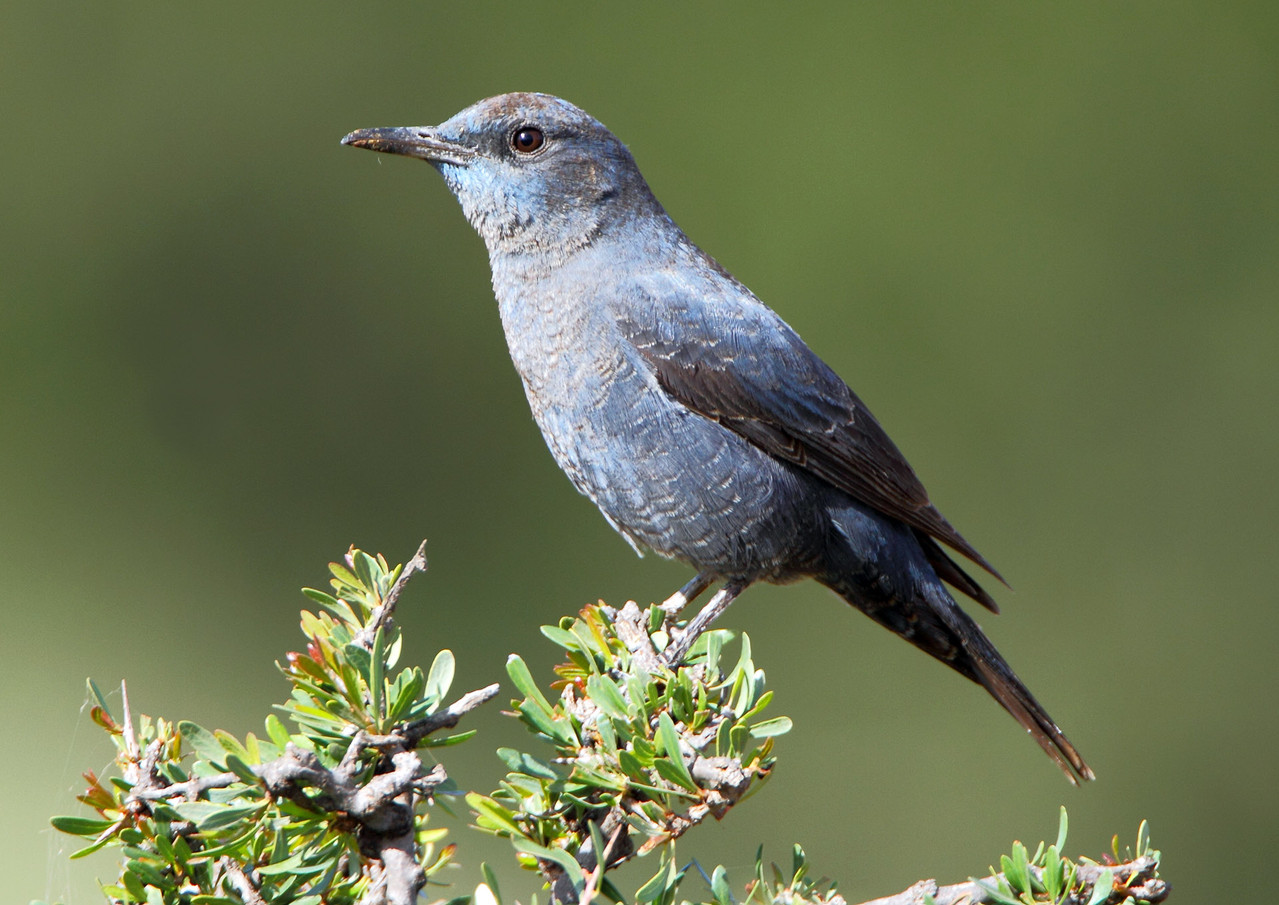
{"points": [[527, 140]]}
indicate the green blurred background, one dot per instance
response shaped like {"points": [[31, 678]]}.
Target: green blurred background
{"points": [[1042, 243]]}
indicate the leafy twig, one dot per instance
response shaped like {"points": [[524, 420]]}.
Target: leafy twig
{"points": [[1134, 880]]}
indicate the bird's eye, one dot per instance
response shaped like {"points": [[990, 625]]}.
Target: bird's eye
{"points": [[528, 140]]}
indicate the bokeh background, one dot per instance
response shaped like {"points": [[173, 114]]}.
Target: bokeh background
{"points": [[1041, 241]]}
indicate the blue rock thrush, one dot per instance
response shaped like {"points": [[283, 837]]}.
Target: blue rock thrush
{"points": [[698, 422]]}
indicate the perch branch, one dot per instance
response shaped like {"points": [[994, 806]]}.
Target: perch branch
{"points": [[1133, 879]]}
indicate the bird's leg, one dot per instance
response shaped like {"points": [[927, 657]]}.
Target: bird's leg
{"points": [[687, 594], [683, 641]]}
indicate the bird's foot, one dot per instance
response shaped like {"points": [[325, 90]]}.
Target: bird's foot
{"points": [[682, 641], [685, 595]]}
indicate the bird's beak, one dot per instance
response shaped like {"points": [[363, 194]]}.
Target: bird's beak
{"points": [[423, 142]]}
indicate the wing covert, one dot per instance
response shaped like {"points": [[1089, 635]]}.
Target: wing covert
{"points": [[741, 365]]}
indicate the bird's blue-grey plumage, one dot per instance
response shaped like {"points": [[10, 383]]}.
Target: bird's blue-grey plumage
{"points": [[698, 422]]}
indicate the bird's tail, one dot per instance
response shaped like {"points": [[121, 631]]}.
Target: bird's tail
{"points": [[936, 625]]}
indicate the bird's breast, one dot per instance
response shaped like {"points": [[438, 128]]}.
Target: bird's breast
{"points": [[664, 476]]}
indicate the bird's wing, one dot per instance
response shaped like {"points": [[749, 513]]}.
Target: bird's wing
{"points": [[732, 359]]}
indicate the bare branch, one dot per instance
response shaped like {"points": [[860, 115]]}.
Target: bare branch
{"points": [[404, 876], [631, 625], [130, 737], [190, 790], [382, 615], [414, 732], [240, 882]]}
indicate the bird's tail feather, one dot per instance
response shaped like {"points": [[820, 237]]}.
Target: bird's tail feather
{"points": [[935, 624], [996, 676]]}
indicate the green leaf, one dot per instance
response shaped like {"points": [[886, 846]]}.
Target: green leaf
{"points": [[1017, 869], [445, 741], [231, 845], [630, 764], [377, 676], [241, 769], [556, 856], [490, 880], [758, 706], [770, 728], [209, 817], [799, 864], [1063, 824], [393, 652], [440, 678], [133, 884], [1103, 888], [343, 574], [232, 745], [360, 658], [668, 771], [275, 729], [608, 737], [994, 894], [1053, 873], [519, 762], [147, 872], [604, 692], [404, 691], [290, 865], [320, 597], [352, 691], [598, 845], [590, 644], [607, 888], [252, 745], [744, 664], [720, 887], [653, 790], [660, 882], [99, 698], [487, 808], [681, 698], [543, 722], [367, 570], [637, 691], [98, 844], [200, 740], [562, 637], [81, 826], [644, 750], [523, 679], [293, 867], [723, 739], [668, 740], [163, 847]]}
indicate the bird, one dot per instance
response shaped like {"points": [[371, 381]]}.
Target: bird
{"points": [[698, 422]]}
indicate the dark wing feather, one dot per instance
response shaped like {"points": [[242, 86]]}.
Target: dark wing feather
{"points": [[742, 366], [949, 571]]}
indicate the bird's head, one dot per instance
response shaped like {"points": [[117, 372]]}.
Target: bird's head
{"points": [[532, 172]]}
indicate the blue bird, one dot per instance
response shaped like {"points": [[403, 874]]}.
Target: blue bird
{"points": [[697, 420]]}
